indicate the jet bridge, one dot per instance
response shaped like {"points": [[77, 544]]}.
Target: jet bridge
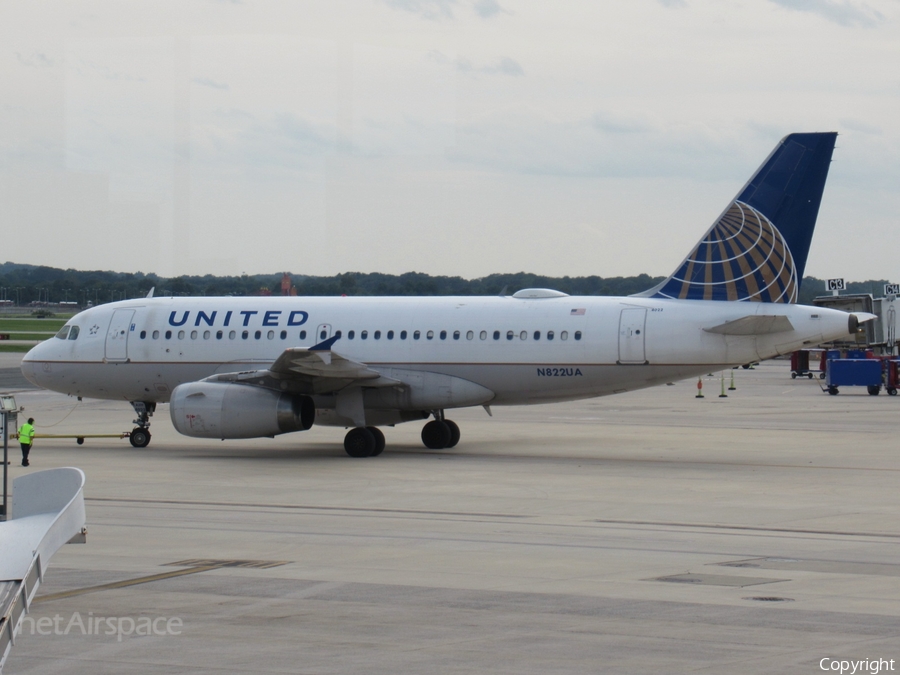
{"points": [[47, 512]]}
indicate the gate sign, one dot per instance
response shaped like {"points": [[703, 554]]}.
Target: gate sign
{"points": [[891, 289], [834, 285]]}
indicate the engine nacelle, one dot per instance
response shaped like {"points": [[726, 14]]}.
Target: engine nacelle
{"points": [[227, 410]]}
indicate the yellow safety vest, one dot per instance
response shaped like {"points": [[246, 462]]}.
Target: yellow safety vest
{"points": [[26, 434]]}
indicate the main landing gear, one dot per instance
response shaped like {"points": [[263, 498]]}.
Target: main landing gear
{"points": [[364, 442], [440, 433], [140, 435]]}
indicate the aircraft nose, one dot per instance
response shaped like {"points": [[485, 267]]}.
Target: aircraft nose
{"points": [[30, 367]]}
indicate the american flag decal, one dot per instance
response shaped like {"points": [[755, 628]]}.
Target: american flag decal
{"points": [[577, 312]]}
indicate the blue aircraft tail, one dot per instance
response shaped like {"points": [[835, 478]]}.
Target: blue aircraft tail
{"points": [[757, 248]]}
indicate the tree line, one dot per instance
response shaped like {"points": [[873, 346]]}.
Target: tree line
{"points": [[28, 284]]}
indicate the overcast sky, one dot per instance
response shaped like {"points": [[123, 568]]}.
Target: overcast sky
{"points": [[457, 137]]}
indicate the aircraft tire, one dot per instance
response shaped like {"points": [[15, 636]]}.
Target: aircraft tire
{"points": [[359, 442], [454, 433], [140, 438], [379, 441], [436, 435]]}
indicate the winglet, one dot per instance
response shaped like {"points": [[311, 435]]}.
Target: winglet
{"points": [[325, 345]]}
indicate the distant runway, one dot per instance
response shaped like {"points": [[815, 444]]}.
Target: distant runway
{"points": [[650, 532]]}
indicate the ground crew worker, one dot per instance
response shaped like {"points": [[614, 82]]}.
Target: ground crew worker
{"points": [[26, 437]]}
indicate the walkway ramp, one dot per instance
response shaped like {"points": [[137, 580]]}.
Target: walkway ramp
{"points": [[47, 512]]}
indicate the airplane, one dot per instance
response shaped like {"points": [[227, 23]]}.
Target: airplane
{"points": [[248, 367]]}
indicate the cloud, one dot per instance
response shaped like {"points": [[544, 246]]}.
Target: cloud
{"points": [[207, 82], [673, 3], [487, 8], [35, 61], [503, 66], [860, 126], [843, 12], [427, 9], [606, 123]]}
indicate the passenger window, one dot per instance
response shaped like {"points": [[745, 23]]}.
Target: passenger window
{"points": [[193, 335], [219, 335], [206, 335], [377, 335], [257, 334], [168, 335], [270, 335], [430, 335], [483, 335], [402, 334], [337, 334], [470, 335], [231, 335], [443, 335], [155, 335], [143, 334], [390, 335], [549, 334], [323, 334], [564, 335], [302, 334], [523, 335], [63, 333], [577, 334], [456, 335], [416, 335], [351, 335], [181, 335], [509, 335], [245, 334], [363, 335], [537, 335], [284, 335], [496, 334]]}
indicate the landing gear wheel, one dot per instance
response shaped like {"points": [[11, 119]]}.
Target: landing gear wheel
{"points": [[359, 442], [873, 389], [454, 433], [140, 438], [833, 390], [436, 435], [79, 440], [379, 441]]}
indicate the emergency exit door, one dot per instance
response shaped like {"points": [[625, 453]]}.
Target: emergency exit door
{"points": [[117, 335], [632, 336]]}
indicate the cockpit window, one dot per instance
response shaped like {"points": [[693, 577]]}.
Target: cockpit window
{"points": [[63, 333], [73, 333]]}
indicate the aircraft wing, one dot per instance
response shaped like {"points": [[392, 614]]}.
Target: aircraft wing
{"points": [[310, 370]]}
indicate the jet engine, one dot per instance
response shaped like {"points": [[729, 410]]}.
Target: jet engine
{"points": [[228, 410]]}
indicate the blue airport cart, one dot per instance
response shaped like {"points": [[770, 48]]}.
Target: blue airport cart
{"points": [[854, 373]]}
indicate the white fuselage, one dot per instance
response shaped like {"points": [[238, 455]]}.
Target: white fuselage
{"points": [[140, 350]]}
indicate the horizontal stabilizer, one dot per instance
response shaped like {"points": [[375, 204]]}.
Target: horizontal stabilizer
{"points": [[753, 325]]}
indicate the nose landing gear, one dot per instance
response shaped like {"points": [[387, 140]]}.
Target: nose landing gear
{"points": [[140, 435]]}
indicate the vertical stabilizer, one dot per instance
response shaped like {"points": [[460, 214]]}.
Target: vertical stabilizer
{"points": [[757, 249]]}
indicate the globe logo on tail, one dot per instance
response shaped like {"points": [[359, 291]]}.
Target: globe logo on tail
{"points": [[742, 257]]}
